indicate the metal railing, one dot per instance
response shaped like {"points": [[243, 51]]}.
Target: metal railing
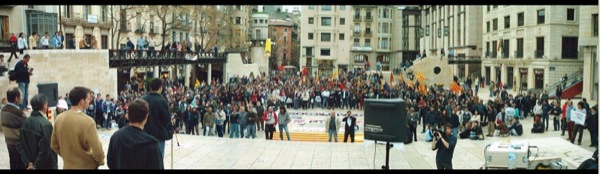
{"points": [[125, 54], [571, 80], [518, 54]]}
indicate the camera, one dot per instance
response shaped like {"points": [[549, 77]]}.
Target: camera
{"points": [[434, 131]]}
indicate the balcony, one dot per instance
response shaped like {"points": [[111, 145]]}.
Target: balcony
{"points": [[356, 34], [135, 58], [105, 24], [539, 54], [518, 54], [75, 21], [504, 55], [367, 33], [182, 24], [491, 55], [368, 19], [362, 48], [140, 31], [153, 31], [356, 18], [124, 29]]}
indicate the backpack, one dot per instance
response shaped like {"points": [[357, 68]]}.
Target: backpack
{"points": [[12, 75]]}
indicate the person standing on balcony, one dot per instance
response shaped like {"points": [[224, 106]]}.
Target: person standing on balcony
{"points": [[83, 44], [44, 41], [56, 41], [21, 43], [33, 40], [140, 43], [151, 45], [94, 43]]}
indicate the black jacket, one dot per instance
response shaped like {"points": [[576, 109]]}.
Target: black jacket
{"points": [[132, 148], [22, 72], [34, 144], [159, 119], [352, 123]]}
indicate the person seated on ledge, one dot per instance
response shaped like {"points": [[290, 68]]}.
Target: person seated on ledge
{"points": [[473, 131], [516, 128], [538, 126]]}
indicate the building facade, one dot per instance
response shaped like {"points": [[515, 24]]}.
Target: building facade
{"points": [[280, 32], [452, 31], [325, 37], [27, 19], [260, 28], [588, 50], [530, 47], [77, 21]]}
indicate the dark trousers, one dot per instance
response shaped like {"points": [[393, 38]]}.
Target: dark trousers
{"points": [[225, 127], [423, 121], [269, 129], [594, 137], [556, 123], [577, 129], [349, 133], [570, 127], [242, 128], [260, 124], [563, 125], [413, 129], [13, 52], [443, 165], [15, 159]]}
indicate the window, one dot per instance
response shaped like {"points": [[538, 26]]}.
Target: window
{"points": [[519, 48], [539, 47], [570, 14], [86, 11], [238, 20], [325, 21], [487, 26], [325, 52], [541, 18], [342, 36], [309, 51], [520, 19], [356, 42], [326, 8], [359, 58], [104, 42], [386, 13], [285, 30], [367, 42], [342, 21], [311, 20], [311, 7], [103, 13], [595, 24], [384, 43], [488, 8], [495, 24], [357, 13], [342, 7], [357, 28], [368, 15], [310, 36], [506, 22], [368, 30], [569, 47], [385, 27], [325, 37], [255, 21]]}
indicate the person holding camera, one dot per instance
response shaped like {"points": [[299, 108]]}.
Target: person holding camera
{"points": [[445, 143], [350, 124], [23, 75]]}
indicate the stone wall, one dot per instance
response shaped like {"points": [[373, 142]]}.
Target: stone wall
{"points": [[235, 67], [68, 68], [426, 67]]}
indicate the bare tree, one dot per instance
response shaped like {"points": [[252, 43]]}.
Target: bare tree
{"points": [[170, 17], [120, 19]]}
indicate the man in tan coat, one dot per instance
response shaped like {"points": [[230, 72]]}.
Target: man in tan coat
{"points": [[332, 125], [74, 137]]}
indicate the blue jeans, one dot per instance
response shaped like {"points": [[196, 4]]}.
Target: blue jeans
{"points": [[324, 101], [545, 120], [334, 133], [24, 87], [455, 131], [107, 123], [220, 130], [234, 130], [161, 145], [251, 130], [283, 127]]}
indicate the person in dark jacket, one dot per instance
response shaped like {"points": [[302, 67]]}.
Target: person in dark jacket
{"points": [[538, 126], [36, 131], [349, 126], [591, 122], [515, 128], [23, 74], [12, 119], [159, 120], [131, 147]]}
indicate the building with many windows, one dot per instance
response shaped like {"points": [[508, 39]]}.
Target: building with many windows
{"points": [[530, 47], [325, 41], [27, 19], [280, 32], [452, 31], [77, 21], [588, 50]]}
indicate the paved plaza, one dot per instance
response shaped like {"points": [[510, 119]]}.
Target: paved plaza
{"points": [[199, 152]]}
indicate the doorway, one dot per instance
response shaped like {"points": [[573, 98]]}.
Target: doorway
{"points": [[498, 75], [509, 78], [523, 75], [487, 75], [539, 78]]}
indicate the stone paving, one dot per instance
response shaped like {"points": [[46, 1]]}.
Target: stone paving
{"points": [[200, 152]]}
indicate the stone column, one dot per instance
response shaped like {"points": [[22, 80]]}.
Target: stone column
{"points": [[492, 75], [530, 77], [503, 75], [187, 73], [209, 74], [156, 72]]}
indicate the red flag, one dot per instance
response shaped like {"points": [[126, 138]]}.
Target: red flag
{"points": [[304, 71], [281, 67]]}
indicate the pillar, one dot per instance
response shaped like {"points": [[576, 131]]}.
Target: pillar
{"points": [[209, 74], [467, 75], [187, 73], [492, 75], [156, 72], [530, 78], [504, 74]]}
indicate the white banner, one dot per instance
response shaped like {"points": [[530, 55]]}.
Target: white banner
{"points": [[578, 117]]}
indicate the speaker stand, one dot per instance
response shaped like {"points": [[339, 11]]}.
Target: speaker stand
{"points": [[388, 146]]}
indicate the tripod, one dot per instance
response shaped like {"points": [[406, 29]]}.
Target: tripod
{"points": [[388, 146]]}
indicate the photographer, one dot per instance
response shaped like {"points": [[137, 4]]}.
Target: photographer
{"points": [[445, 143]]}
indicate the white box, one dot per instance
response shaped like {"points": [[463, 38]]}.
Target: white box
{"points": [[497, 154]]}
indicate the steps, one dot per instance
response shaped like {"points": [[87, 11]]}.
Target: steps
{"points": [[316, 136]]}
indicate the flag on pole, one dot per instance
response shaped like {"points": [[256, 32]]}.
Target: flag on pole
{"points": [[358, 83], [400, 78], [197, 83], [335, 74], [410, 83], [268, 48], [317, 77], [455, 87], [420, 77], [422, 89], [391, 77]]}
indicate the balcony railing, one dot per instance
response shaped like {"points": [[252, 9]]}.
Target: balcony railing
{"points": [[368, 19], [491, 55], [518, 54], [132, 58], [539, 54], [367, 33], [356, 18], [505, 55], [356, 34]]}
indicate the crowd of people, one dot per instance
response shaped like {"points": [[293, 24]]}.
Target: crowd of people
{"points": [[244, 105]]}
